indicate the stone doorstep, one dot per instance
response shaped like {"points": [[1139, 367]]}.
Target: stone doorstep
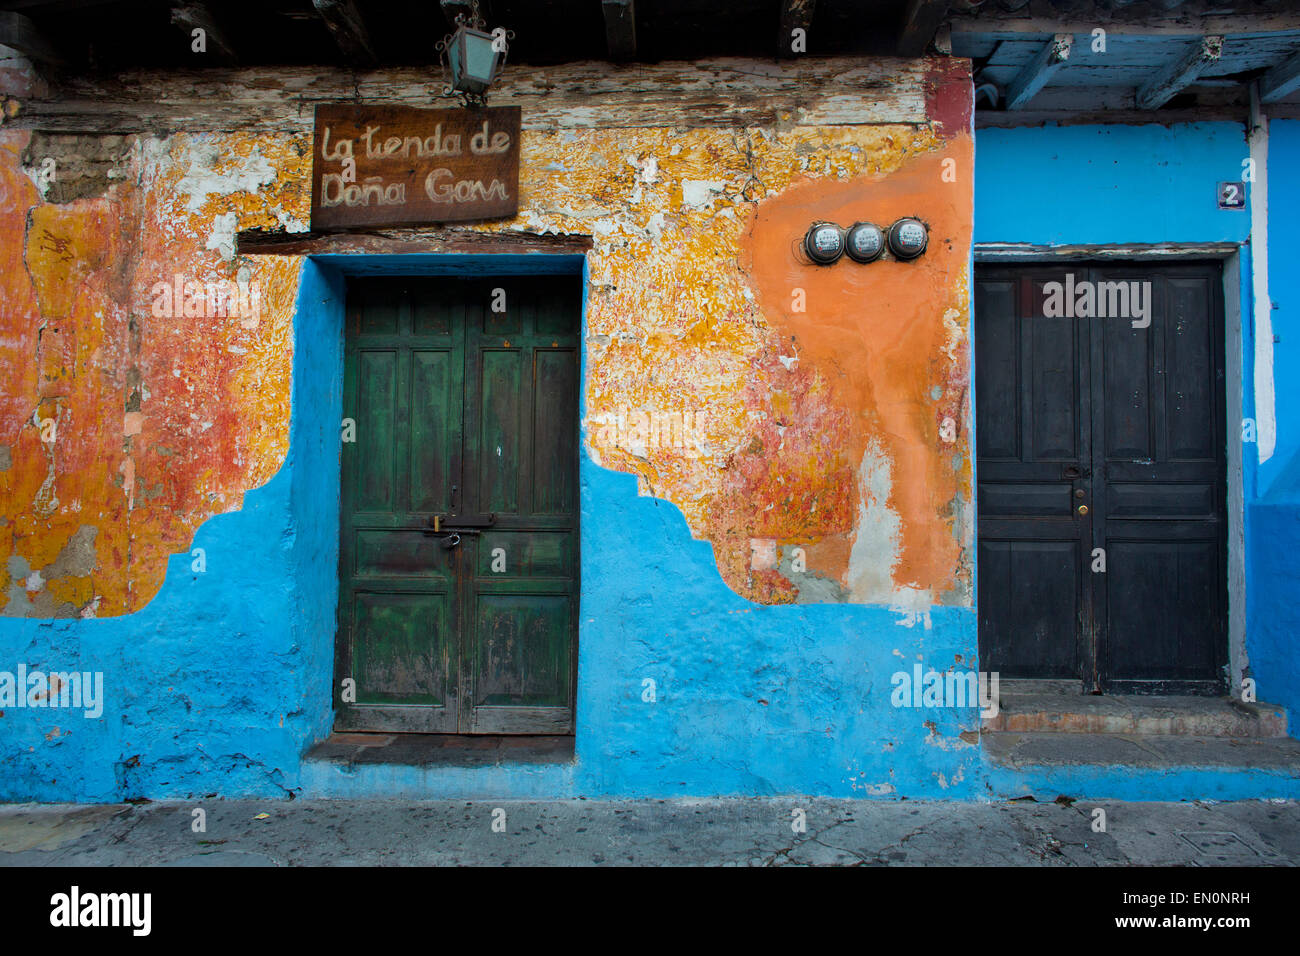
{"points": [[1015, 751], [1058, 707], [425, 750]]}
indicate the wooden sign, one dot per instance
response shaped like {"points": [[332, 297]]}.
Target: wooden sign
{"points": [[385, 165]]}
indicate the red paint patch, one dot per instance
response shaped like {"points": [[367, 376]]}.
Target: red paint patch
{"points": [[949, 95]]}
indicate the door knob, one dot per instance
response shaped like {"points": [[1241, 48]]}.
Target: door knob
{"points": [[1083, 509]]}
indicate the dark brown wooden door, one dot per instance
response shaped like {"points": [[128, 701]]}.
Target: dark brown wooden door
{"points": [[1101, 475], [459, 547]]}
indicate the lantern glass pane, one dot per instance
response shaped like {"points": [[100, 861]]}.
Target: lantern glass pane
{"points": [[455, 61], [480, 58]]}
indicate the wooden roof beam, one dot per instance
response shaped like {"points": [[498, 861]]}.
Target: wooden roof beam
{"points": [[921, 21], [1180, 74], [795, 15], [348, 29], [620, 28], [1039, 70], [20, 33], [1280, 81]]}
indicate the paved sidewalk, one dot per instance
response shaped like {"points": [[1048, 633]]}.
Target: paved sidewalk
{"points": [[735, 832]]}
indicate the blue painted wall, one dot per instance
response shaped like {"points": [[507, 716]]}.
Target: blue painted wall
{"points": [[223, 681], [1068, 185], [217, 683]]}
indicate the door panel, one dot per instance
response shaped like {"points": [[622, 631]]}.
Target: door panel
{"points": [[1124, 425], [1035, 587], [1033, 606], [1151, 635], [435, 441], [404, 648], [464, 397]]}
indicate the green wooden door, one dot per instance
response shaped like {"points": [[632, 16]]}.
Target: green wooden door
{"points": [[464, 397]]}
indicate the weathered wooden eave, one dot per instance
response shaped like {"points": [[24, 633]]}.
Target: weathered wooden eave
{"points": [[597, 95], [1183, 25]]}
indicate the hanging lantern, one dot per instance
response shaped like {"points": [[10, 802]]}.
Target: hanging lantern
{"points": [[473, 60], [472, 57]]}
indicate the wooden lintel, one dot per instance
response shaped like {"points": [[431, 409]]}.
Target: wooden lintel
{"points": [[1161, 251], [20, 33], [404, 241], [620, 29], [1177, 76], [196, 16], [348, 29], [921, 21], [795, 15], [1039, 70], [1280, 81]]}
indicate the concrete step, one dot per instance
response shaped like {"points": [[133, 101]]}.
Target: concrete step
{"points": [[1023, 751], [1059, 707]]}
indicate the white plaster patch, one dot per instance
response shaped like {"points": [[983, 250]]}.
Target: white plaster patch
{"points": [[700, 193], [955, 334], [291, 223], [914, 604], [202, 179], [1265, 397], [876, 789], [222, 237], [655, 227], [876, 541], [39, 179]]}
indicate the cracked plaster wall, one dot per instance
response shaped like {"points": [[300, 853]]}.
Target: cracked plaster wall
{"points": [[121, 431]]}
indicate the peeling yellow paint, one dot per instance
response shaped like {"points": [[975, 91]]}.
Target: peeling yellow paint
{"points": [[165, 420]]}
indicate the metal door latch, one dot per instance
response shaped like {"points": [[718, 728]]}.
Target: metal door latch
{"points": [[458, 525]]}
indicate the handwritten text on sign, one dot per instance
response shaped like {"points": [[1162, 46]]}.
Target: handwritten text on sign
{"points": [[381, 165]]}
